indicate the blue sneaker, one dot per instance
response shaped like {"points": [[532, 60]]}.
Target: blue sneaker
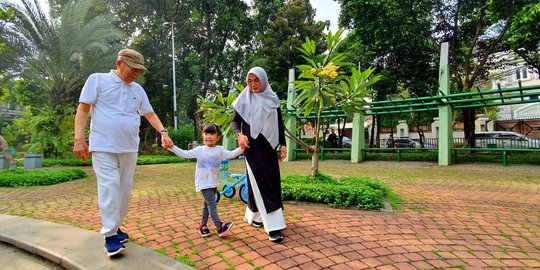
{"points": [[113, 246], [122, 236]]}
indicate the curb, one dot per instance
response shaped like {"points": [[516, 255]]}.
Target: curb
{"points": [[75, 248]]}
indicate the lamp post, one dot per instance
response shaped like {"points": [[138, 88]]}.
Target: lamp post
{"points": [[171, 25]]}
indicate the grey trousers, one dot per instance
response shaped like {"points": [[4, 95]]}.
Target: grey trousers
{"points": [[210, 207]]}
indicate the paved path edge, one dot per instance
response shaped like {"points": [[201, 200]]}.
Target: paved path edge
{"points": [[75, 248]]}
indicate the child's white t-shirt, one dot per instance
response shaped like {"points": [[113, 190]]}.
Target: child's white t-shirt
{"points": [[208, 162]]}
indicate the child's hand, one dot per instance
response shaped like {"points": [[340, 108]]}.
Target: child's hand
{"points": [[167, 146]]}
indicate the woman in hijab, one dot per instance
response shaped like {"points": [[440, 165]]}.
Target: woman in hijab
{"points": [[259, 129]]}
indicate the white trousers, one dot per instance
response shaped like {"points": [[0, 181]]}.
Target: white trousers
{"points": [[273, 221], [114, 173]]}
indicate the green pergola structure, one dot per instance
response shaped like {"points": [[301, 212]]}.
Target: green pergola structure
{"points": [[444, 102]]}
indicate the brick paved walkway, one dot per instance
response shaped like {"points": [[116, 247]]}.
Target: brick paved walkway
{"points": [[457, 217]]}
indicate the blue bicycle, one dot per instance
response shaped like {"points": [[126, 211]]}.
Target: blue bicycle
{"points": [[229, 189]]}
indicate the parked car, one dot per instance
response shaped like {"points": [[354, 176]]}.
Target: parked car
{"points": [[346, 142], [408, 143], [401, 143], [426, 145], [505, 139]]}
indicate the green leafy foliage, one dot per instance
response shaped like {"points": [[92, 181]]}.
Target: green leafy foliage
{"points": [[325, 84], [22, 178], [141, 160], [219, 109], [523, 34], [182, 136], [58, 53], [292, 23], [362, 193], [50, 133], [463, 157], [145, 160]]}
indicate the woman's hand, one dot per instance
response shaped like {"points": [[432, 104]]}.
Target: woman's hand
{"points": [[243, 141], [283, 152]]}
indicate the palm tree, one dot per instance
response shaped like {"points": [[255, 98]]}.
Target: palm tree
{"points": [[57, 54]]}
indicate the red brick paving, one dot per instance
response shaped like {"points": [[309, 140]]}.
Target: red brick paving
{"points": [[457, 217]]}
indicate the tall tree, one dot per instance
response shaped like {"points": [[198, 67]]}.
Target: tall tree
{"points": [[5, 16], [523, 35], [57, 54], [292, 24], [209, 46], [475, 30]]}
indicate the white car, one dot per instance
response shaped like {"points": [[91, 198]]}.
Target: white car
{"points": [[346, 142], [505, 139]]}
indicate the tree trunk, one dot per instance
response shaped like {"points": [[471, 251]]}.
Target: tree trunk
{"points": [[315, 162], [468, 127], [5, 150]]}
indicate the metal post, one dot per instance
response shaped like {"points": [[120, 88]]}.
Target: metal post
{"points": [[445, 111], [358, 138], [174, 79], [171, 25], [291, 96]]}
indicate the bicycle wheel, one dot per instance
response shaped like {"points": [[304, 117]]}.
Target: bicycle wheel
{"points": [[243, 193], [228, 191]]}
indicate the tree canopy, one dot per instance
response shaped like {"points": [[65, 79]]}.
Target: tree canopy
{"points": [[57, 54]]}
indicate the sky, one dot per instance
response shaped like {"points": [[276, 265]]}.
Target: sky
{"points": [[327, 10]]}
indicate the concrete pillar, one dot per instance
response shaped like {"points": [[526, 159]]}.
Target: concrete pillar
{"points": [[402, 129], [3, 163], [481, 123], [435, 127], [445, 111], [291, 125], [32, 161], [358, 138]]}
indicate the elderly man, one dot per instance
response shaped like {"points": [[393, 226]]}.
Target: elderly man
{"points": [[116, 103]]}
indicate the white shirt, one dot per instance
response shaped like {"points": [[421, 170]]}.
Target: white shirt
{"points": [[208, 162], [116, 110]]}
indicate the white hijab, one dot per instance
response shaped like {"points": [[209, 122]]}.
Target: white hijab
{"points": [[259, 109]]}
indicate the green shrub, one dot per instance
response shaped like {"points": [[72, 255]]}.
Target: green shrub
{"points": [[22, 177], [73, 162], [182, 136], [141, 160], [147, 159], [362, 193], [463, 157]]}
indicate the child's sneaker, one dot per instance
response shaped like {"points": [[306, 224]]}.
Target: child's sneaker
{"points": [[225, 227], [204, 231]]}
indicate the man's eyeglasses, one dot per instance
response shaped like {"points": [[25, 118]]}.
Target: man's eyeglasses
{"points": [[134, 70]]}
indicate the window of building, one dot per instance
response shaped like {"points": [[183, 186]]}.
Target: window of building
{"points": [[522, 74]]}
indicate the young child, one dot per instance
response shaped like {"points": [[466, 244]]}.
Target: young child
{"points": [[209, 157]]}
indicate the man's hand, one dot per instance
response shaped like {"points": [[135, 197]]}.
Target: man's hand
{"points": [[80, 148], [166, 141]]}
